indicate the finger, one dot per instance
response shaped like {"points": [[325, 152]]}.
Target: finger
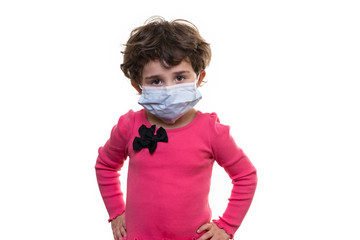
{"points": [[206, 226], [123, 229], [206, 236], [117, 234], [123, 225], [123, 232]]}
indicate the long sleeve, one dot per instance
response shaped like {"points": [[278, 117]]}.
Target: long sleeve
{"points": [[241, 171], [109, 161]]}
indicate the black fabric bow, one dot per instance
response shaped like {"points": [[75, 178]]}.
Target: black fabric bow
{"points": [[147, 138]]}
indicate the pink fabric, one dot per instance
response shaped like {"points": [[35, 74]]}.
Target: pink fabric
{"points": [[167, 191]]}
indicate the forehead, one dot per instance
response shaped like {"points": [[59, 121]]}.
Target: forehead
{"points": [[155, 68]]}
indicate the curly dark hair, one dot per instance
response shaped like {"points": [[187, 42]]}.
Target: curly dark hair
{"points": [[169, 42]]}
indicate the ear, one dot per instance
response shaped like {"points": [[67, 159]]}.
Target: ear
{"points": [[201, 78], [136, 86]]}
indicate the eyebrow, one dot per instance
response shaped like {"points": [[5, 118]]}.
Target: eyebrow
{"points": [[175, 73]]}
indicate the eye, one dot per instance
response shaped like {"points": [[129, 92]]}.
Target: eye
{"points": [[179, 78], [155, 82]]}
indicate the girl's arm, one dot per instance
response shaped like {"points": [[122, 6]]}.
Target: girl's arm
{"points": [[109, 161], [240, 170]]}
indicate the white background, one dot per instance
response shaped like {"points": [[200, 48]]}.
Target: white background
{"points": [[284, 75]]}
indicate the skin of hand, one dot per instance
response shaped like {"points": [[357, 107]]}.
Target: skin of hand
{"points": [[213, 232], [118, 227]]}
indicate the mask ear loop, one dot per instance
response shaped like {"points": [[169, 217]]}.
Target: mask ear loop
{"points": [[197, 80]]}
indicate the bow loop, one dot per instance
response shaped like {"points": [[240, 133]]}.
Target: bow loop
{"points": [[148, 139], [161, 135]]}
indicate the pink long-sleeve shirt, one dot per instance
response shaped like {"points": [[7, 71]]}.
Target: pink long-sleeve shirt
{"points": [[167, 190]]}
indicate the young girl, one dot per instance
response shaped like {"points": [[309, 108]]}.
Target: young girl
{"points": [[171, 146]]}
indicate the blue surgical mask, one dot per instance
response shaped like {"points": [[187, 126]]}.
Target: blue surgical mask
{"points": [[169, 103]]}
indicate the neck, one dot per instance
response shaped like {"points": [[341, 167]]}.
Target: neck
{"points": [[184, 120]]}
